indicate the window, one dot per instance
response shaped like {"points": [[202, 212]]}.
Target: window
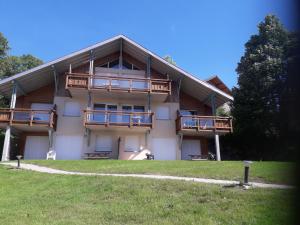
{"points": [[102, 117], [162, 113], [72, 109], [188, 112], [116, 65], [132, 144], [103, 143]]}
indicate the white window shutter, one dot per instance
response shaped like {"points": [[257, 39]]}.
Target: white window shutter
{"points": [[72, 109], [162, 113]]}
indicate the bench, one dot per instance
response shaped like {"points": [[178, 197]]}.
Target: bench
{"points": [[197, 157], [97, 155]]}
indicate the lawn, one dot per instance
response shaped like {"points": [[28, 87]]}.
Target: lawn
{"points": [[34, 198], [269, 172]]}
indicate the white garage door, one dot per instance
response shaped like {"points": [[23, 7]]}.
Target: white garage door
{"points": [[36, 147], [68, 147], [190, 147], [164, 148]]}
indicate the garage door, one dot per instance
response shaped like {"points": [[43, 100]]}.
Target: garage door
{"points": [[68, 147], [164, 148], [36, 147], [190, 147]]}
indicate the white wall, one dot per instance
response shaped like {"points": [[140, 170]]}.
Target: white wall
{"points": [[72, 129]]}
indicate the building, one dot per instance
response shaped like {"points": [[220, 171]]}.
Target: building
{"points": [[114, 99]]}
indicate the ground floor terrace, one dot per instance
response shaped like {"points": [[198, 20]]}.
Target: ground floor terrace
{"points": [[123, 144]]}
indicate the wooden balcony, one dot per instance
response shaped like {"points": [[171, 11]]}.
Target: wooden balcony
{"points": [[104, 119], [28, 119], [203, 125], [117, 84]]}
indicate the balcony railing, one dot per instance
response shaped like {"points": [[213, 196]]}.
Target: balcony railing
{"points": [[29, 117], [118, 118], [121, 84], [203, 123]]}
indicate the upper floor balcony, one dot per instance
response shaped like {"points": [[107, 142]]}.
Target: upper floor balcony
{"points": [[28, 119], [121, 84], [108, 119], [196, 125]]}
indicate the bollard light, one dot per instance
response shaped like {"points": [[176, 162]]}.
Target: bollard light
{"points": [[246, 173], [19, 158]]}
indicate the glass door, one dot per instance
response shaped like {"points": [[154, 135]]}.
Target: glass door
{"points": [[113, 117], [126, 118], [99, 117]]}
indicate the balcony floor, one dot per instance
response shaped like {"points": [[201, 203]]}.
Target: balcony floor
{"points": [[124, 95]]}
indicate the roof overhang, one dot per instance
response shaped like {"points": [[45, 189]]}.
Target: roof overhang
{"points": [[42, 75]]}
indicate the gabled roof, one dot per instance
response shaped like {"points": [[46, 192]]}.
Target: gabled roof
{"points": [[42, 75], [218, 83]]}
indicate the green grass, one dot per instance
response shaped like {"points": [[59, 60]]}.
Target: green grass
{"points": [[269, 172], [35, 198]]}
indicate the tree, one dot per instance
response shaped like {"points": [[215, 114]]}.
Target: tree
{"points": [[10, 65], [256, 106], [169, 59], [15, 64], [3, 46]]}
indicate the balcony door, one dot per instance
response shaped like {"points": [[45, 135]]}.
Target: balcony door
{"points": [[106, 113], [189, 121], [135, 118], [41, 116]]}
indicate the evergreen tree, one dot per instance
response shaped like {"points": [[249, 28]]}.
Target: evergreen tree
{"points": [[256, 106]]}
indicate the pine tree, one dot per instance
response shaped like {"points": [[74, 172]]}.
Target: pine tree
{"points": [[256, 106]]}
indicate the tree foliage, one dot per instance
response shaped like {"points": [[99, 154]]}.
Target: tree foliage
{"points": [[257, 98], [169, 59], [10, 65]]}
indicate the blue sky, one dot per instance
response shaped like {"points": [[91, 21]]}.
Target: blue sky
{"points": [[203, 37]]}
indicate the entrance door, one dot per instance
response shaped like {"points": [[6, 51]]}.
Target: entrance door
{"points": [[164, 148], [68, 146], [190, 147]]}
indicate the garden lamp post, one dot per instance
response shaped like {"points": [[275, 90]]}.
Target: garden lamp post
{"points": [[246, 172], [19, 159]]}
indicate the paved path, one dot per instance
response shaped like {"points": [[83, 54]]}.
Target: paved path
{"points": [[43, 169]]}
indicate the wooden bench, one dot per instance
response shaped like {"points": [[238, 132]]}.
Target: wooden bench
{"points": [[197, 157], [97, 155]]}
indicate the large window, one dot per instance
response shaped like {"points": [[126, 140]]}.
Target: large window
{"points": [[102, 116], [116, 65], [72, 108]]}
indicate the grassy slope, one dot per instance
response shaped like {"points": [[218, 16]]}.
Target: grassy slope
{"points": [[270, 172], [34, 198]]}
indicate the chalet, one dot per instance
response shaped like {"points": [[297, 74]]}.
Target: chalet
{"points": [[116, 100]]}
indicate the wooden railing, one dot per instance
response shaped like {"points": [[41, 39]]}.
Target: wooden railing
{"points": [[198, 123], [118, 118], [31, 117], [121, 84]]}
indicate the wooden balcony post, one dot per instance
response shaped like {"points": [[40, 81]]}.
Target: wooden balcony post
{"points": [[109, 85], [51, 121], [11, 116], [31, 118], [130, 85], [107, 118]]}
